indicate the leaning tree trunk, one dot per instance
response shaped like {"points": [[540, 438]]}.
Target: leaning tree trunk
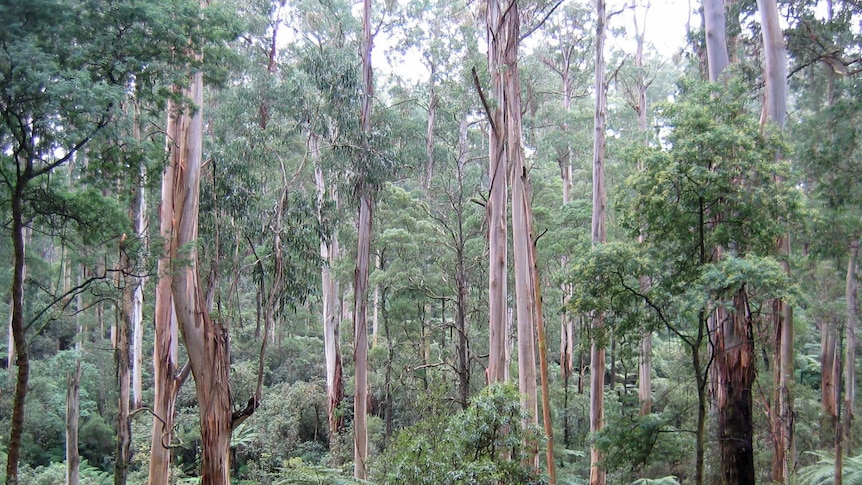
{"points": [[599, 236], [73, 401]]}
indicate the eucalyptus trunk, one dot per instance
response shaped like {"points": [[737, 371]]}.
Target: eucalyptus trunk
{"points": [[496, 205], [734, 361], [206, 341], [599, 236], [360, 280], [329, 297], [851, 294], [716, 38], [165, 335]]}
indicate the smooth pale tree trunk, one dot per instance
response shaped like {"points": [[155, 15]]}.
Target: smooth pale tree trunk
{"points": [[329, 297], [776, 108], [599, 236], [206, 341], [138, 215], [166, 369], [360, 280], [716, 38], [360, 340], [496, 207], [509, 33], [73, 402], [830, 378]]}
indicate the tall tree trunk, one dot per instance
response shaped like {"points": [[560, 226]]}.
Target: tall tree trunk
{"points": [[360, 339], [329, 297], [123, 359], [851, 293], [73, 459], [776, 108], [645, 356], [599, 236], [509, 32], [496, 206], [716, 38], [16, 429], [734, 359], [360, 280], [461, 276], [138, 215], [206, 341], [165, 335]]}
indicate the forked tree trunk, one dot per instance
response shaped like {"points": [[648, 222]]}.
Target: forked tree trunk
{"points": [[496, 206], [73, 459], [599, 236]]}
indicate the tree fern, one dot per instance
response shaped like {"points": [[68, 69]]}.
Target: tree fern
{"points": [[823, 472]]}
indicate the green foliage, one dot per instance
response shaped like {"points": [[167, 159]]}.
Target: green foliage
{"points": [[480, 445], [298, 472], [56, 473], [823, 472]]}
